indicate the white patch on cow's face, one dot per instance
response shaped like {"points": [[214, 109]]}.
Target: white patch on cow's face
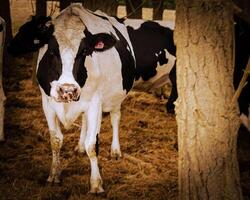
{"points": [[67, 56], [66, 78]]}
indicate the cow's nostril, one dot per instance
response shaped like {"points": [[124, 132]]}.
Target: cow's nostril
{"points": [[61, 90], [68, 92]]}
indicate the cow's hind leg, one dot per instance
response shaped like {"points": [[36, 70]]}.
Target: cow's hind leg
{"points": [[94, 115], [80, 146], [174, 94], [115, 120]]}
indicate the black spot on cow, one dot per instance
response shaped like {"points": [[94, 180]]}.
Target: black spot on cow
{"points": [[31, 36], [50, 66], [128, 62], [149, 42], [90, 43], [79, 69], [1, 27]]}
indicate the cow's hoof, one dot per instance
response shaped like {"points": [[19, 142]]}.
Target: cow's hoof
{"points": [[53, 179], [170, 108], [96, 186], [79, 149], [116, 153]]}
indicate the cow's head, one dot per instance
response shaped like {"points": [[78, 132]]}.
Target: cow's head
{"points": [[62, 72], [31, 36]]}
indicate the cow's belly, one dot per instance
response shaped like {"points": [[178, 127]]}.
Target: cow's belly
{"points": [[113, 101]]}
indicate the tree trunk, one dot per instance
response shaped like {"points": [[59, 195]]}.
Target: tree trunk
{"points": [[5, 14], [41, 7], [2, 96], [157, 9], [64, 4], [207, 121], [134, 8], [107, 6]]}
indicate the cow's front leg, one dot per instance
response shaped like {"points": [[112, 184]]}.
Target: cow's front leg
{"points": [[56, 140], [94, 114], [115, 120], [81, 146]]}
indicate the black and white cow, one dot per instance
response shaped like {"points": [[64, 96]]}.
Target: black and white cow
{"points": [[155, 53], [154, 50], [150, 38], [2, 96], [86, 66]]}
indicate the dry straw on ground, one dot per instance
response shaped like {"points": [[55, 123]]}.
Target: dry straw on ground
{"points": [[148, 136]]}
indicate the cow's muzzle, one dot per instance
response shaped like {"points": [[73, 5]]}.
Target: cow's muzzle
{"points": [[68, 92]]}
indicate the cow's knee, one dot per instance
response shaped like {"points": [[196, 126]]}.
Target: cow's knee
{"points": [[90, 150]]}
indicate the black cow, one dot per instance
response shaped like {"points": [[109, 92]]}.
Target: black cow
{"points": [[34, 35]]}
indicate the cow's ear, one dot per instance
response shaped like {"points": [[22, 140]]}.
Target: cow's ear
{"points": [[102, 41]]}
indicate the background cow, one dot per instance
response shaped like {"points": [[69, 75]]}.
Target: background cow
{"points": [[242, 53], [86, 66], [2, 96], [155, 53]]}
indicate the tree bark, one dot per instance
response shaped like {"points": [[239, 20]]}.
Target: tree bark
{"points": [[207, 120], [134, 8], [2, 96], [5, 14], [41, 7], [157, 9]]}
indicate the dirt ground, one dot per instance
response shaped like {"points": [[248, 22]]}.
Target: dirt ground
{"points": [[148, 137]]}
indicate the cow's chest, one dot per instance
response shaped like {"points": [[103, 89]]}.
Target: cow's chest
{"points": [[67, 113]]}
